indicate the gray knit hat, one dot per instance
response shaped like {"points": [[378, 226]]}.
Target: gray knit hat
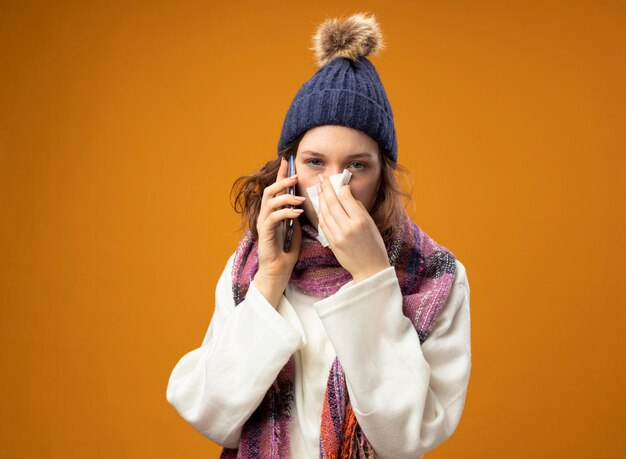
{"points": [[346, 90]]}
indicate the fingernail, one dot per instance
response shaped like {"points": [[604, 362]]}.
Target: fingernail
{"points": [[293, 176], [321, 178], [300, 198]]}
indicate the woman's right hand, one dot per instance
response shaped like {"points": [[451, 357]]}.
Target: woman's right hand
{"points": [[275, 265]]}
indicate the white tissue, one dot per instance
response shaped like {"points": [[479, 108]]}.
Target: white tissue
{"points": [[337, 181]]}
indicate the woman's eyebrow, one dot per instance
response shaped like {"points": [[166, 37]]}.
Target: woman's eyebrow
{"points": [[350, 156]]}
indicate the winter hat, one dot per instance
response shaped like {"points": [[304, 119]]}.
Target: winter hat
{"points": [[346, 90]]}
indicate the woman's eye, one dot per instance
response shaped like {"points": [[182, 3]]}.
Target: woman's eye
{"points": [[354, 164], [358, 165]]}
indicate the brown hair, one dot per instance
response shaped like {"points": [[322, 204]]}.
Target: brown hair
{"points": [[247, 192]]}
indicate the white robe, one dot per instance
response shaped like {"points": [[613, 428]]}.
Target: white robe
{"points": [[408, 398]]}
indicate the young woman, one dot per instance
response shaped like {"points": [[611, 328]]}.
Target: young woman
{"points": [[358, 349]]}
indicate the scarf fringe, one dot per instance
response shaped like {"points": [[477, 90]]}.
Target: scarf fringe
{"points": [[349, 427]]}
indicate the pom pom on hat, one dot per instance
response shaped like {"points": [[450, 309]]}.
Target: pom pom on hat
{"points": [[351, 38]]}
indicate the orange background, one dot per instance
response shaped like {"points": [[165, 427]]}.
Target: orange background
{"points": [[123, 126]]}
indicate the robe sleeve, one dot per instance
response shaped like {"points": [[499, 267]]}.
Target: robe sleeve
{"points": [[408, 398], [217, 386]]}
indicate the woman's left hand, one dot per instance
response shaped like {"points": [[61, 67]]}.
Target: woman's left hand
{"points": [[351, 232]]}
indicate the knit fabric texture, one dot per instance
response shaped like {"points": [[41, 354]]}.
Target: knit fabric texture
{"points": [[347, 93], [425, 271]]}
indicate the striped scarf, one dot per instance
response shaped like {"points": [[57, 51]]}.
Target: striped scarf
{"points": [[425, 272]]}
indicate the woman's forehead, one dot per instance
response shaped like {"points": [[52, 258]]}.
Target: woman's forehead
{"points": [[329, 139]]}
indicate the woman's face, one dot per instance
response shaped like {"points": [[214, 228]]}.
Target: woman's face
{"points": [[328, 150]]}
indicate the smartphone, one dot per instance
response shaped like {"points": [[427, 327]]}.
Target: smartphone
{"points": [[290, 223]]}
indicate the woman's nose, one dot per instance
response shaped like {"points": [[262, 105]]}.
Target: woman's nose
{"points": [[332, 170]]}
